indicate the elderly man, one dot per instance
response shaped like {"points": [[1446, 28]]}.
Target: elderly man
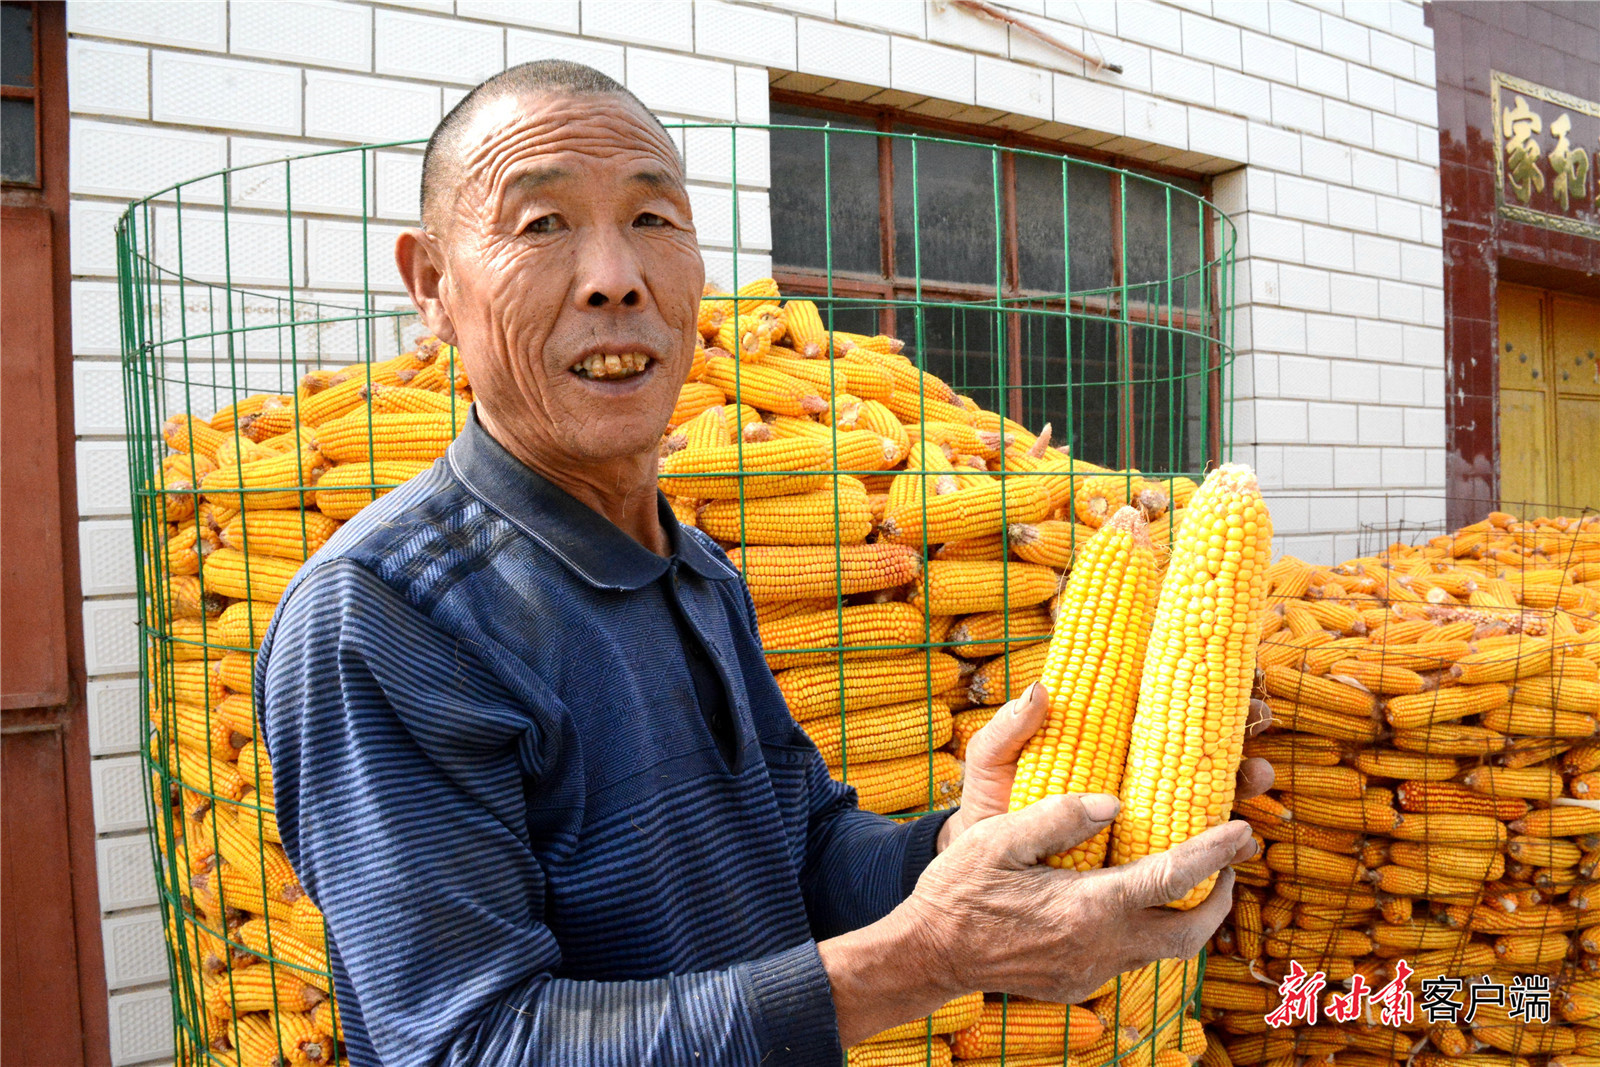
{"points": [[530, 761]]}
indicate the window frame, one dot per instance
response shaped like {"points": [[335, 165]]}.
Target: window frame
{"points": [[888, 286], [31, 94]]}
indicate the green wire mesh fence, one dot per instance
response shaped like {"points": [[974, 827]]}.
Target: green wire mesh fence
{"points": [[918, 448]]}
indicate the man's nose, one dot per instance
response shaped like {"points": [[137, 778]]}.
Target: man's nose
{"points": [[609, 275]]}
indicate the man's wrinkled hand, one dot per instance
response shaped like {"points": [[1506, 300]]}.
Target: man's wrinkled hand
{"points": [[990, 914], [993, 752]]}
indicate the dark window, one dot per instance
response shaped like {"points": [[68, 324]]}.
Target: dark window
{"points": [[19, 126], [970, 250]]}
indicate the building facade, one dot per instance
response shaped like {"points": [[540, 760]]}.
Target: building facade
{"points": [[1314, 126]]}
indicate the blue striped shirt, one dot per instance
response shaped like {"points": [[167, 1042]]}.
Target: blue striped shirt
{"points": [[494, 778]]}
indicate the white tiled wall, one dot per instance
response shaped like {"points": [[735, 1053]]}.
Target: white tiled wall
{"points": [[1317, 118]]}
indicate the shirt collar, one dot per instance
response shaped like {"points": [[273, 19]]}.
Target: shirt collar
{"points": [[589, 544]]}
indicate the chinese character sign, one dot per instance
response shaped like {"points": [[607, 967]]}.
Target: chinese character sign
{"points": [[1543, 159]]}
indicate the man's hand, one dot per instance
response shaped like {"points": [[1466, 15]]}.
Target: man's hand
{"points": [[993, 752], [990, 914]]}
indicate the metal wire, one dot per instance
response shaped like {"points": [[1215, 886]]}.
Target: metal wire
{"points": [[1134, 373]]}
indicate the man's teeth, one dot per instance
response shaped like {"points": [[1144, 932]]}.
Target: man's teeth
{"points": [[613, 367]]}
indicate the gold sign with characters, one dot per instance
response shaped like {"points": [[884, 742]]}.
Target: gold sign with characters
{"points": [[1549, 147]]}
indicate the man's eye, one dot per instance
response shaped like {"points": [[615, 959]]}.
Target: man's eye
{"points": [[649, 219], [543, 224]]}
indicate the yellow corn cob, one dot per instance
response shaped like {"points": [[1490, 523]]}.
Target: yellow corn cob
{"points": [[1410, 882], [961, 587], [1531, 783], [1430, 656], [860, 379], [1443, 705], [881, 733], [346, 489], [383, 438], [189, 681], [1207, 620], [288, 534], [232, 573], [1521, 659], [712, 428], [1051, 542], [910, 1052], [1416, 936], [237, 450], [242, 624], [1248, 926], [252, 764], [1336, 782], [1290, 650], [1522, 1038], [1562, 821], [1304, 688], [858, 630], [822, 516], [752, 469], [807, 332], [966, 724], [990, 633], [1091, 673], [1099, 497], [745, 336], [1478, 1059], [925, 781], [1371, 815], [1564, 694], [762, 387], [228, 417], [284, 481], [1381, 678], [814, 692], [1235, 996], [190, 639], [1324, 723], [1300, 861], [693, 399], [1008, 675], [1532, 721], [1451, 860], [1319, 661], [1288, 750], [852, 450], [259, 989], [976, 512], [184, 550], [1450, 739], [399, 399], [184, 434], [201, 730], [1019, 1027], [1529, 753], [309, 962], [775, 574], [958, 1014], [1446, 797], [1544, 851], [1473, 831]]}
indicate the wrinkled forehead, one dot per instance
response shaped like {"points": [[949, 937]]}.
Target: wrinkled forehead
{"points": [[518, 132]]}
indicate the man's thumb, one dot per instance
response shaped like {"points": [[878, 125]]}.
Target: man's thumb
{"points": [[1001, 740], [1053, 825]]}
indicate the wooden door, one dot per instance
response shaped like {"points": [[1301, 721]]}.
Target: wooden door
{"points": [[52, 970], [1575, 378], [1549, 401]]}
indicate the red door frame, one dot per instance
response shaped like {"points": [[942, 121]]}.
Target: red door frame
{"points": [[52, 982]]}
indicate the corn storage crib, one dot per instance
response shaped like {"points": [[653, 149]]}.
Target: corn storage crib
{"points": [[277, 380]]}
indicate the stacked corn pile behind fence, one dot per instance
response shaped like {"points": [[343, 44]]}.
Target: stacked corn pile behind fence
{"points": [[904, 549], [1435, 715]]}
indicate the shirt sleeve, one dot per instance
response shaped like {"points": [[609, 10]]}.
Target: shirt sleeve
{"points": [[404, 776], [859, 865]]}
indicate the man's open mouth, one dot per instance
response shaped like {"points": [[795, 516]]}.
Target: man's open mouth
{"points": [[613, 368]]}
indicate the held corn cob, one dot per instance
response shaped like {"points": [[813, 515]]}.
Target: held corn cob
{"points": [[1188, 729], [1091, 676]]}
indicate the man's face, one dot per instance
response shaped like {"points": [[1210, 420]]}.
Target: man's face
{"points": [[572, 276]]}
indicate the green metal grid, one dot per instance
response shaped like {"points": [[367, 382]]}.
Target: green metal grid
{"points": [[196, 340]]}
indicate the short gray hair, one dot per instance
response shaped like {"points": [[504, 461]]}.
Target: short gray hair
{"points": [[441, 159]]}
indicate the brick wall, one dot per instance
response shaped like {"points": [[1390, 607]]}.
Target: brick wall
{"points": [[1318, 120]]}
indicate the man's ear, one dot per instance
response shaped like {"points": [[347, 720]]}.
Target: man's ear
{"points": [[421, 262]]}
